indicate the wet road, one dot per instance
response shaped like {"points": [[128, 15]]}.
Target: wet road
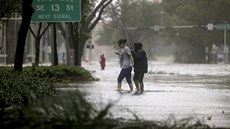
{"points": [[200, 91]]}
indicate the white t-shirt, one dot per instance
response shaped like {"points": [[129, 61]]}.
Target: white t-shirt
{"points": [[125, 58]]}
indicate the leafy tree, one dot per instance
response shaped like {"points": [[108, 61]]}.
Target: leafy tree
{"points": [[8, 7], [125, 14], [191, 43], [38, 37], [91, 12], [91, 15]]}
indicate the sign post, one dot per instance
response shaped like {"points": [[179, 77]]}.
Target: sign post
{"points": [[56, 11], [224, 27]]}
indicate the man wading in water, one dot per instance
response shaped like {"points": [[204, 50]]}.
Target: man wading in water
{"points": [[126, 61]]}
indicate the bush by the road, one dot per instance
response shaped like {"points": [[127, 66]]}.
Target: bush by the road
{"points": [[23, 88], [61, 73], [17, 89]]}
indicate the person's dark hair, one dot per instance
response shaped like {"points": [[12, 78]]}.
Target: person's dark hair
{"points": [[122, 41], [137, 46]]}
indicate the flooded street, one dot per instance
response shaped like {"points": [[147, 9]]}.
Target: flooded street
{"points": [[183, 90]]}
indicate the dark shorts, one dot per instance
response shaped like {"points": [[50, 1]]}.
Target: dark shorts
{"points": [[125, 73], [138, 77]]}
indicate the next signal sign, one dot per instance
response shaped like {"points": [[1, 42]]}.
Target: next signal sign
{"points": [[56, 11]]}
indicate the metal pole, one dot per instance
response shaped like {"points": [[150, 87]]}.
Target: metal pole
{"points": [[161, 18], [225, 31], [225, 47], [90, 56]]}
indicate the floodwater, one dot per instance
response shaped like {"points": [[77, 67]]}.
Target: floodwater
{"points": [[182, 90]]}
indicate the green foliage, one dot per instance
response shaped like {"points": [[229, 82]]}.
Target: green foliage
{"points": [[69, 110], [21, 88], [8, 7], [190, 43], [126, 13], [61, 73]]}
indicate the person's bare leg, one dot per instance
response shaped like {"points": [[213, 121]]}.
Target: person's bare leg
{"points": [[142, 87], [119, 87], [137, 85], [131, 86]]}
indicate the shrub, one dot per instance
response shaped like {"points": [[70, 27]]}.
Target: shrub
{"points": [[61, 73], [21, 89]]}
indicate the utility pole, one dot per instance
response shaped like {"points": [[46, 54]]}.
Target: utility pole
{"points": [[162, 18], [225, 47]]}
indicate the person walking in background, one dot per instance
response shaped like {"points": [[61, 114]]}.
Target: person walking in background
{"points": [[102, 61], [126, 61], [140, 66]]}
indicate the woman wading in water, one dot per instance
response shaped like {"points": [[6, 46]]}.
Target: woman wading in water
{"points": [[126, 61]]}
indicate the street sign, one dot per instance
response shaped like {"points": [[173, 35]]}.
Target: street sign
{"points": [[223, 26], [56, 10]]}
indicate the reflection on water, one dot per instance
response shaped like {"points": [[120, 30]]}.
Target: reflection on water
{"points": [[184, 90]]}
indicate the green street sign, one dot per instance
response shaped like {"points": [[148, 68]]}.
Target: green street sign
{"points": [[56, 11], [223, 26]]}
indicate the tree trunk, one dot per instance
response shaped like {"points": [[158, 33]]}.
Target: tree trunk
{"points": [[77, 61], [27, 12], [67, 33], [37, 47], [10, 42], [81, 50], [55, 45], [38, 38]]}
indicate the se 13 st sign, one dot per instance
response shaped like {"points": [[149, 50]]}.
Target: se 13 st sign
{"points": [[56, 11]]}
